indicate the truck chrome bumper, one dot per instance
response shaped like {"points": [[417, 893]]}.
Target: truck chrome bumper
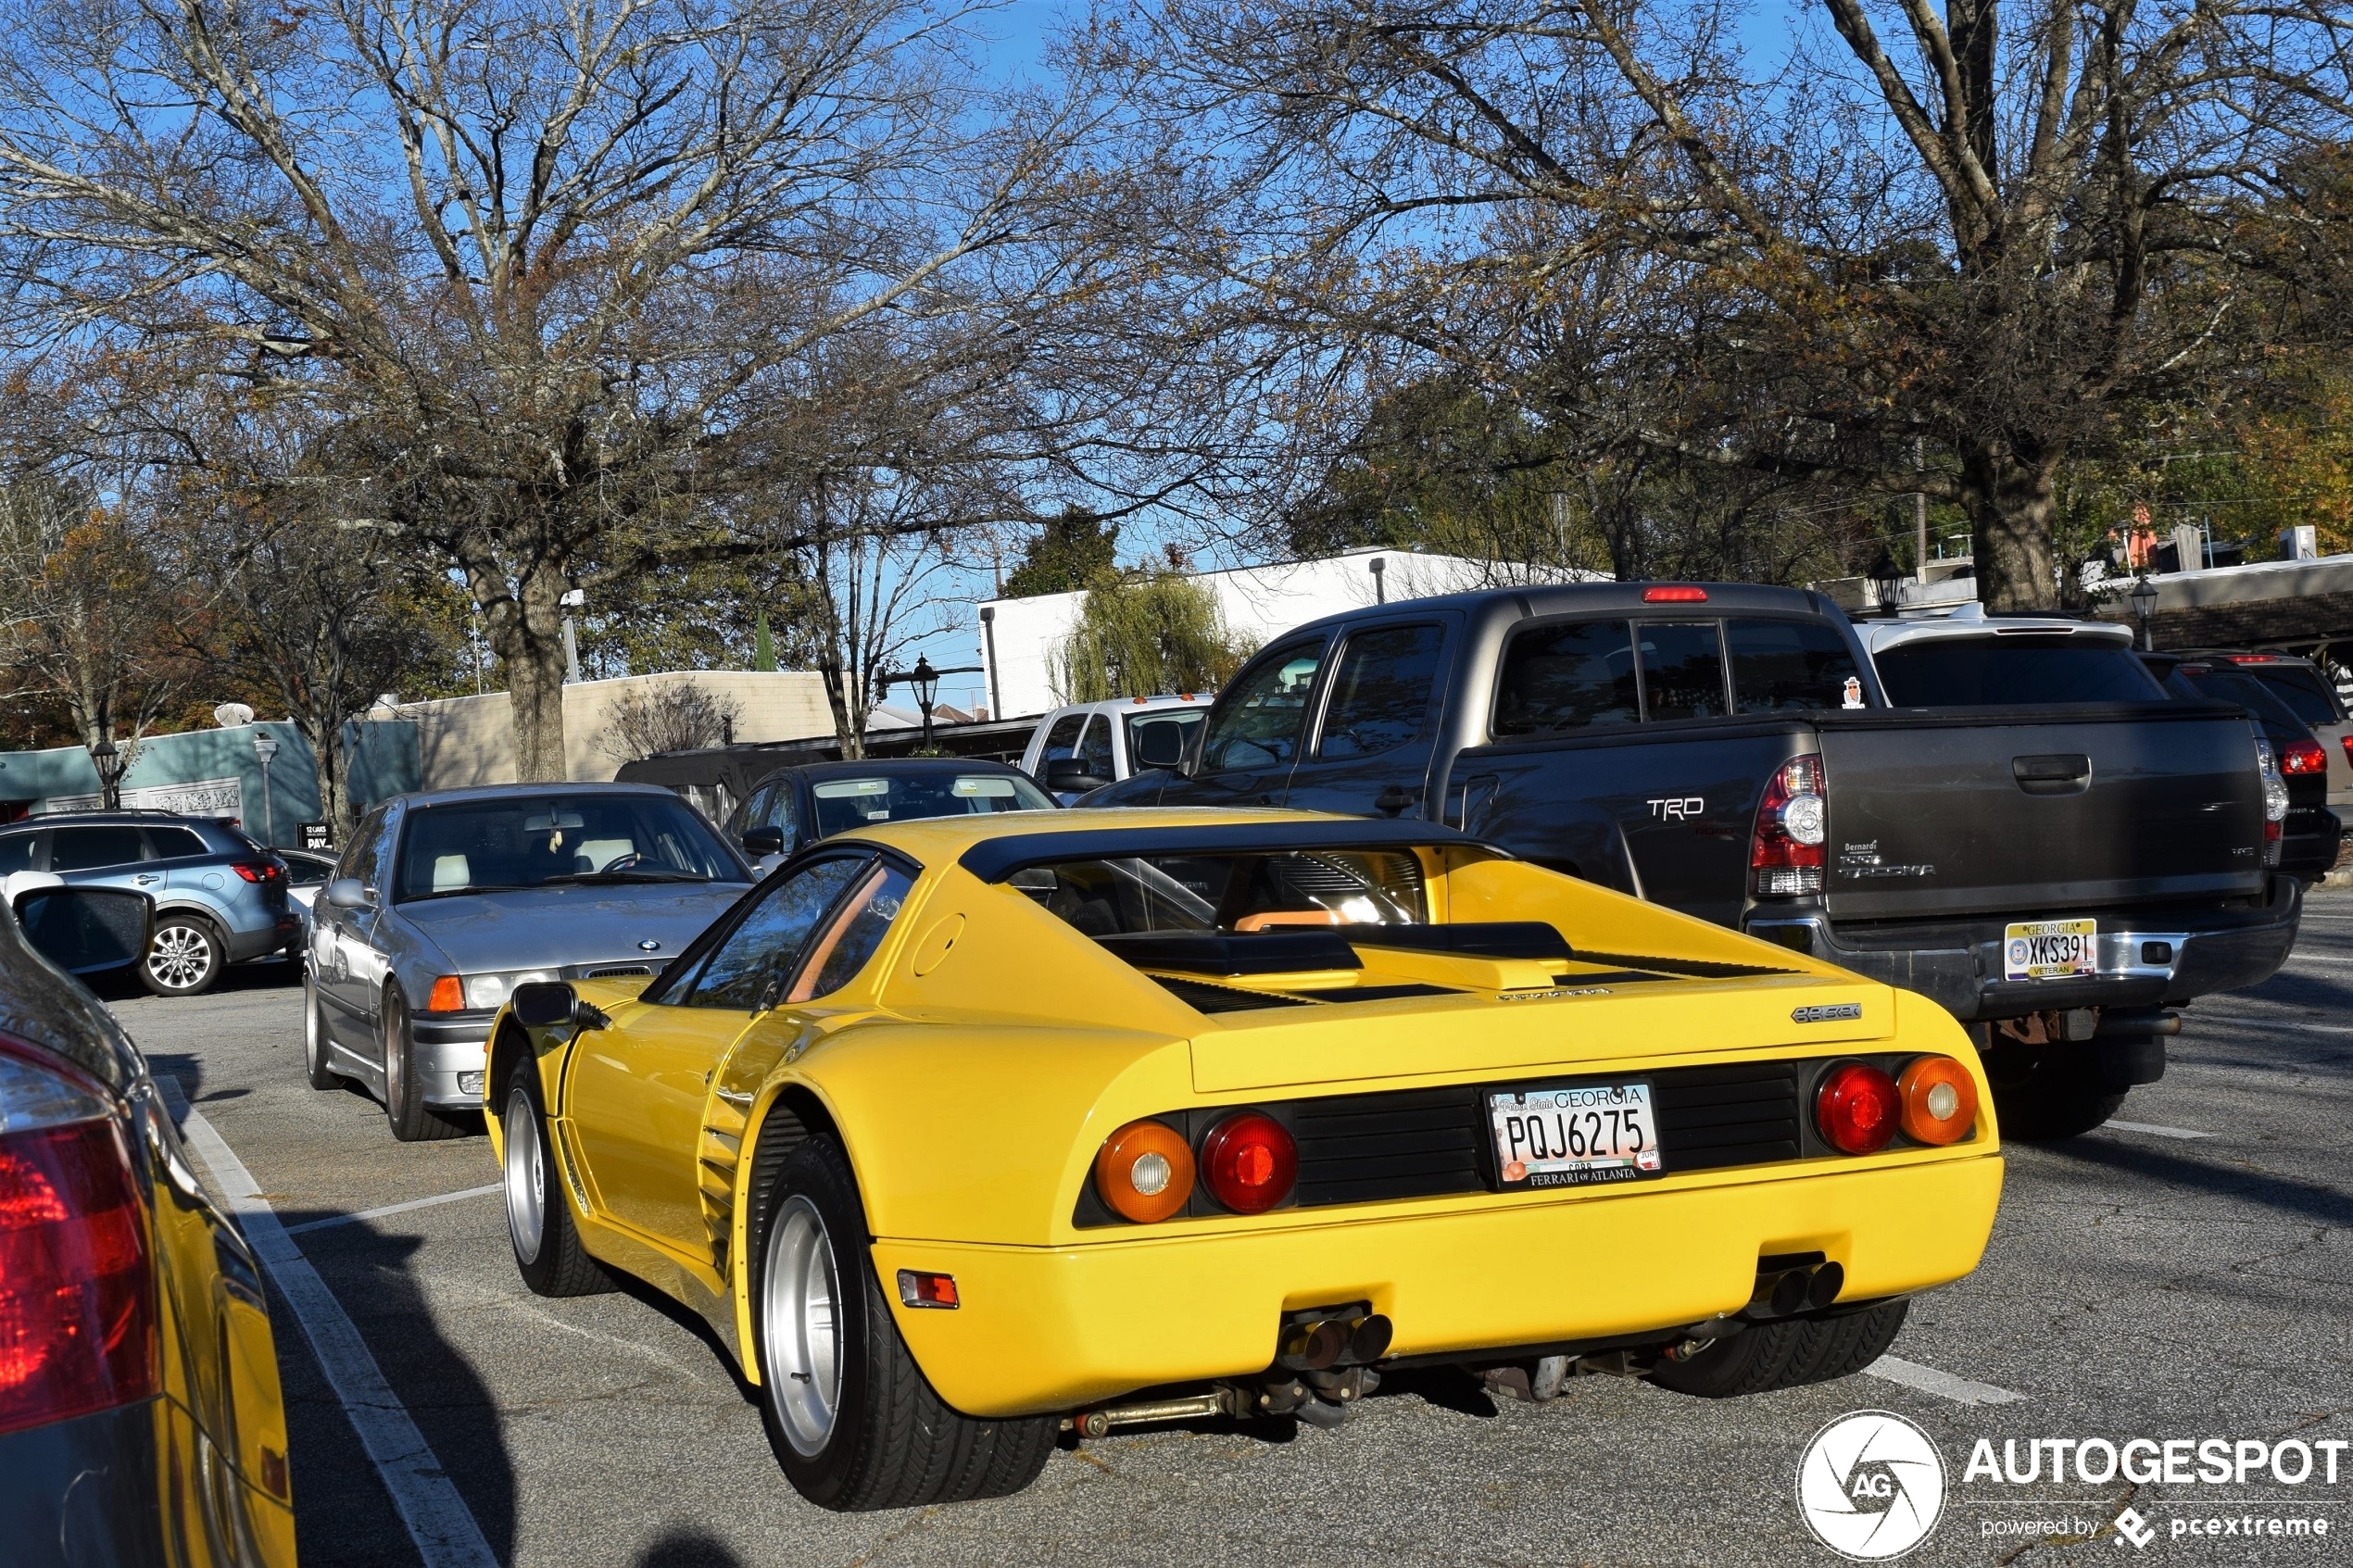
{"points": [[2147, 960]]}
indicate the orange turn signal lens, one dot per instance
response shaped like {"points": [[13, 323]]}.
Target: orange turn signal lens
{"points": [[1145, 1172], [448, 995], [1940, 1101]]}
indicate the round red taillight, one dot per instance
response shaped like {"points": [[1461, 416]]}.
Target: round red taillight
{"points": [[1248, 1162], [1858, 1108]]}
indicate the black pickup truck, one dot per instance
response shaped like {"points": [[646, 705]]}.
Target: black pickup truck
{"points": [[2077, 864]]}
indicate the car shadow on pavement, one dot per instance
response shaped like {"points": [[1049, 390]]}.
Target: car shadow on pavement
{"points": [[689, 1548], [344, 1515], [2331, 1206]]}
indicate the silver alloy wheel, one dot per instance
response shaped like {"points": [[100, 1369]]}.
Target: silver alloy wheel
{"points": [[314, 1049], [179, 956], [396, 1060], [526, 1177], [800, 1329]]}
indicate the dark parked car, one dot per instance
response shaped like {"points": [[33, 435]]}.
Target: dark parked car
{"points": [[141, 1422], [2076, 860], [2312, 834], [221, 898], [793, 807], [2311, 695]]}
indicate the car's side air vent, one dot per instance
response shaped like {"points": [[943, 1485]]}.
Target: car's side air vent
{"points": [[1201, 997]]}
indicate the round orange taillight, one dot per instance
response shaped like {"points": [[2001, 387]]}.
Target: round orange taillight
{"points": [[1940, 1101], [1250, 1163], [1145, 1172]]}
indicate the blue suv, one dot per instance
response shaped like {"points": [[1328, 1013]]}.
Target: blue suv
{"points": [[221, 898]]}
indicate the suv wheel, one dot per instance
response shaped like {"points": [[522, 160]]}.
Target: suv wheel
{"points": [[412, 1120], [185, 958]]}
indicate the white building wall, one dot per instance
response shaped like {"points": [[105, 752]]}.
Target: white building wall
{"points": [[1258, 603]]}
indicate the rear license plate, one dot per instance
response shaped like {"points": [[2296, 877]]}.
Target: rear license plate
{"points": [[2050, 949], [1571, 1134]]}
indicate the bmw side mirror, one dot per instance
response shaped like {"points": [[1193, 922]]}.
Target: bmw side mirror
{"points": [[1161, 744], [348, 893], [86, 930], [760, 841]]}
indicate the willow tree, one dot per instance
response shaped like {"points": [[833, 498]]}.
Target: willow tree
{"points": [[561, 260], [1142, 634]]}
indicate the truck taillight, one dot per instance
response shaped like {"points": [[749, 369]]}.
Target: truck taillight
{"points": [[1785, 853], [77, 1298]]}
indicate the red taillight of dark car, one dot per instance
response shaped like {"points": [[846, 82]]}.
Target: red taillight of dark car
{"points": [[1786, 848], [77, 1296], [2302, 758]]}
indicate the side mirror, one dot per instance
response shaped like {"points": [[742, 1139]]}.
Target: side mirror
{"points": [[1069, 775], [1161, 744], [87, 930], [542, 1004], [760, 841], [348, 893]]}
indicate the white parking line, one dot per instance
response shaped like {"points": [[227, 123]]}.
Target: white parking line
{"points": [[437, 1516], [392, 1209], [1944, 1384], [2155, 1130]]}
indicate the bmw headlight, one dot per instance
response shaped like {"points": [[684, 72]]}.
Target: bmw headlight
{"points": [[492, 990]]}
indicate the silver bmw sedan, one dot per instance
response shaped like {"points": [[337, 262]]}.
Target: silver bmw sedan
{"points": [[443, 901]]}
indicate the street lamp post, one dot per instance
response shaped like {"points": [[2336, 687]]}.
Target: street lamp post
{"points": [[109, 762], [926, 681], [1887, 579], [2143, 598], [265, 746]]}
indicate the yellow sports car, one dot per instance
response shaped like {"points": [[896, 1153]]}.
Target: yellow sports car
{"points": [[960, 1132]]}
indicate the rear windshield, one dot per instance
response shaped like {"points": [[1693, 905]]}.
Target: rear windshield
{"points": [[1244, 892], [2224, 683], [844, 804], [2303, 690], [2013, 671], [541, 841]]}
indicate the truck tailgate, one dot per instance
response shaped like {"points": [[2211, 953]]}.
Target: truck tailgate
{"points": [[2038, 811]]}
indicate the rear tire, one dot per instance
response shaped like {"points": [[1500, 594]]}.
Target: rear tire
{"points": [[184, 956], [855, 1424], [548, 1252], [412, 1120], [1787, 1354], [2041, 1095], [318, 1044]]}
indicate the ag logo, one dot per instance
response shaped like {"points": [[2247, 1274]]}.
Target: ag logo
{"points": [[1871, 1486]]}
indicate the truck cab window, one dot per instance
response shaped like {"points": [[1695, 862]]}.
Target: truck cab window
{"points": [[1567, 677], [1094, 748], [1063, 739], [1782, 664], [1258, 724], [1381, 691], [1682, 670]]}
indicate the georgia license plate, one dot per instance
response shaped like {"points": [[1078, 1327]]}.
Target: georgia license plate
{"points": [[1571, 1134], [2050, 949]]}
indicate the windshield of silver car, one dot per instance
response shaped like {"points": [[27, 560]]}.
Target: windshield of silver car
{"points": [[547, 840]]}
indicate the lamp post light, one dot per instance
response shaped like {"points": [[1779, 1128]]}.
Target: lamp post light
{"points": [[1887, 580], [109, 762], [265, 746], [2143, 598], [925, 680]]}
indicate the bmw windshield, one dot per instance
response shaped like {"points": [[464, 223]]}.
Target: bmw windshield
{"points": [[547, 840]]}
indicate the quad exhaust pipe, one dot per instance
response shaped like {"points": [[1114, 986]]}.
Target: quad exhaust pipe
{"points": [[1781, 1293], [1320, 1343]]}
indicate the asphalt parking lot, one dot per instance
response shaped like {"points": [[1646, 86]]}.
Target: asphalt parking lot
{"points": [[2182, 1274]]}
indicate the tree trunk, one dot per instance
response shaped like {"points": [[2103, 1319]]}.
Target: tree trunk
{"points": [[2007, 489], [526, 632], [850, 722]]}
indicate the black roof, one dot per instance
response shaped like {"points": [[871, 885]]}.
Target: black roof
{"points": [[993, 859]]}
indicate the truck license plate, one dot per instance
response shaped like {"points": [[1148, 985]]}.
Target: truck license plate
{"points": [[1568, 1135], [2050, 949]]}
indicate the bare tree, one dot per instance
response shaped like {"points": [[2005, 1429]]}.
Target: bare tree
{"points": [[677, 716], [1999, 232], [563, 264]]}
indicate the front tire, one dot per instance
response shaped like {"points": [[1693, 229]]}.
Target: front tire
{"points": [[318, 1044], [412, 1120], [184, 956], [548, 1252], [853, 1421]]}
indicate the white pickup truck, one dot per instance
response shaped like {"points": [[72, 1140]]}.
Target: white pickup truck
{"points": [[1088, 745]]}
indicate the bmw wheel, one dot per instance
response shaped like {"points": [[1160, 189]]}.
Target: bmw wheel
{"points": [[412, 1120], [318, 1046], [184, 958], [852, 1418]]}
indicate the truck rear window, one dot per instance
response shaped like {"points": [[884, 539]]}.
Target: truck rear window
{"points": [[2013, 671], [1582, 673]]}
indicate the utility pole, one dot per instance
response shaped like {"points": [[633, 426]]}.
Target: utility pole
{"points": [[1919, 521]]}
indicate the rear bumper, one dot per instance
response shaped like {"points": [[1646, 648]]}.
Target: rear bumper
{"points": [[1054, 1328], [2308, 846], [262, 941], [2153, 958], [127, 1489]]}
